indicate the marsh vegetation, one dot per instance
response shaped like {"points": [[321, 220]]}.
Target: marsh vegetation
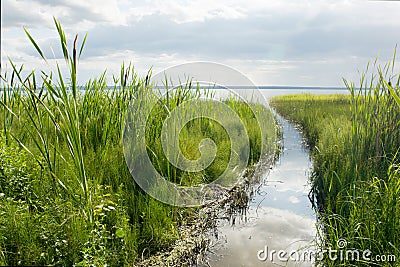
{"points": [[66, 194], [355, 142]]}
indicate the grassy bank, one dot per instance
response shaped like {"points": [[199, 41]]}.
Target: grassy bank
{"points": [[66, 194], [354, 141]]}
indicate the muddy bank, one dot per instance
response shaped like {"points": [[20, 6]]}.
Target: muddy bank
{"points": [[199, 235]]}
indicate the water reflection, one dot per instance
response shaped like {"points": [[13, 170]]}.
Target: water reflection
{"points": [[275, 228], [280, 216], [286, 185]]}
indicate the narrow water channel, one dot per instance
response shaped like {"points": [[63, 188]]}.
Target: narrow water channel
{"points": [[279, 218]]}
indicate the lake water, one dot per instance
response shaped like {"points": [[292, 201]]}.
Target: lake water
{"points": [[280, 216]]}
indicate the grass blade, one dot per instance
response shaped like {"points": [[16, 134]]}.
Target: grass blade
{"points": [[35, 44]]}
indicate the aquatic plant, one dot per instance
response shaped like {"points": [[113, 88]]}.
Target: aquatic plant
{"points": [[355, 142], [67, 196]]}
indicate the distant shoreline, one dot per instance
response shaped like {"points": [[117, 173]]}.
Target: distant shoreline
{"points": [[271, 87]]}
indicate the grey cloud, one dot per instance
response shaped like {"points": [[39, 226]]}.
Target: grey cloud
{"points": [[253, 38], [12, 16], [330, 35], [15, 17], [261, 36], [76, 13], [347, 41], [158, 34], [55, 2]]}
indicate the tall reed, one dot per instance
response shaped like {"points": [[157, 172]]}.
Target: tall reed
{"points": [[83, 207], [355, 142]]}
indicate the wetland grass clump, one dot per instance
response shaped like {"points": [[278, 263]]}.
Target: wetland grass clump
{"points": [[355, 142], [66, 195]]}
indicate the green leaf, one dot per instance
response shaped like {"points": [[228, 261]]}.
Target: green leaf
{"points": [[120, 233], [63, 39], [392, 92], [35, 44], [83, 44]]}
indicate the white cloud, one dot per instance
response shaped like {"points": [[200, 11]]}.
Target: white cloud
{"points": [[187, 11], [305, 42], [294, 200], [275, 228], [73, 13]]}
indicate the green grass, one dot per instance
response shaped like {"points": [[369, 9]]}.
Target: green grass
{"points": [[354, 141], [66, 194]]}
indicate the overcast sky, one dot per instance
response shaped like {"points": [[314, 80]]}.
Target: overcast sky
{"points": [[297, 42]]}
